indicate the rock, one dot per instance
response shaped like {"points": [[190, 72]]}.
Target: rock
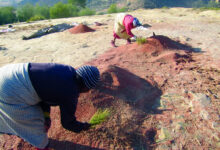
{"points": [[200, 98], [3, 48], [184, 38], [215, 125], [180, 126], [164, 134], [203, 99], [84, 45], [204, 115]]}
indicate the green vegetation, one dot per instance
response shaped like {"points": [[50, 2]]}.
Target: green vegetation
{"points": [[30, 12], [79, 3], [86, 12], [114, 9], [141, 40], [36, 17], [7, 15], [100, 116], [212, 5], [123, 9], [208, 8], [25, 12], [42, 11], [165, 7], [61, 10], [101, 13]]}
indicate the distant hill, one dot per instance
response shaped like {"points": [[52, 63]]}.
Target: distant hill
{"points": [[104, 4], [33, 2], [9, 2], [95, 4], [42, 2]]}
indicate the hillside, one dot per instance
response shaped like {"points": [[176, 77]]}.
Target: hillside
{"points": [[163, 94], [95, 4], [42, 2], [9, 2], [103, 4]]}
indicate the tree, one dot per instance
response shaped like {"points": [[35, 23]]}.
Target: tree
{"points": [[80, 3], [7, 15], [25, 12], [61, 10]]}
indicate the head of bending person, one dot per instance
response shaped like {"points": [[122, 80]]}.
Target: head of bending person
{"points": [[136, 22], [87, 78]]}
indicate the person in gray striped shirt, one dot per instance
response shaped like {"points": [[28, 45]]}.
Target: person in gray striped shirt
{"points": [[27, 90]]}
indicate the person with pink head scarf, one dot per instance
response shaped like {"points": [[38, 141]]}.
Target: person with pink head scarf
{"points": [[124, 23]]}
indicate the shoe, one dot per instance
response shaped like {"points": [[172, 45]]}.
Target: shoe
{"points": [[128, 41], [113, 43]]}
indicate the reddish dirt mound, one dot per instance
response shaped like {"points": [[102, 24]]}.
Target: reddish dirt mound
{"points": [[133, 79], [158, 43], [98, 24], [81, 28]]}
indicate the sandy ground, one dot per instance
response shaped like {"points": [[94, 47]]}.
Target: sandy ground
{"points": [[199, 29]]}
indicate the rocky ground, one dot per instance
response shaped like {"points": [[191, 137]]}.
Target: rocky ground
{"points": [[163, 94]]}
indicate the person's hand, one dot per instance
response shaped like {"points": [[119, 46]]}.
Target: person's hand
{"points": [[123, 30], [134, 38], [46, 148], [42, 149], [47, 124], [85, 126]]}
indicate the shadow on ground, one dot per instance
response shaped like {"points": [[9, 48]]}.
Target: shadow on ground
{"points": [[2, 48], [66, 145], [168, 43], [121, 84]]}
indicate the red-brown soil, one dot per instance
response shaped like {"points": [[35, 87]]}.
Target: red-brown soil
{"points": [[135, 79], [81, 28]]}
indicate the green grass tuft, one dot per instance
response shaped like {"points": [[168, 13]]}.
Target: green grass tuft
{"points": [[141, 40], [165, 7], [99, 117], [36, 18]]}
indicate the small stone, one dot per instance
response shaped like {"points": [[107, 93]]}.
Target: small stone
{"points": [[164, 134], [84, 45], [215, 125], [204, 114]]}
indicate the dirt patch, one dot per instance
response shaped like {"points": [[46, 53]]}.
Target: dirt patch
{"points": [[81, 28], [146, 88]]}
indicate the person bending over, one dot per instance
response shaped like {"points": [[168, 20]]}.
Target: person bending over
{"points": [[124, 23], [27, 90]]}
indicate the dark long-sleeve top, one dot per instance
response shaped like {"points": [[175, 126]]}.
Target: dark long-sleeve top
{"points": [[56, 85]]}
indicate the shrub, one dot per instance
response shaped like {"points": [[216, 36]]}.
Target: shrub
{"points": [[100, 116], [80, 3], [101, 13], [213, 4], [124, 9], [86, 12], [36, 17], [141, 40], [60, 10], [112, 9], [165, 7]]}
